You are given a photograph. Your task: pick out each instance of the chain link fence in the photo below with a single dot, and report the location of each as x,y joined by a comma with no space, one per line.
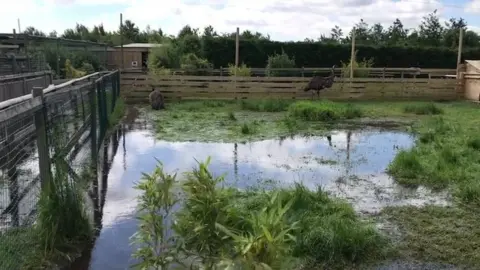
65,125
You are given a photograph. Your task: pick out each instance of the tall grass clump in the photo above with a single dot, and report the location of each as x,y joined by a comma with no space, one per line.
62,225
324,111
218,227
241,71
266,105
156,246
423,109
364,64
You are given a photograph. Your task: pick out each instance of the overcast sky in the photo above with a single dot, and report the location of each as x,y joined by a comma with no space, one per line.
282,19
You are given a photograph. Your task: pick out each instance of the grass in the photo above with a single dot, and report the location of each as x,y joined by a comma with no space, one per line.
283,228
439,234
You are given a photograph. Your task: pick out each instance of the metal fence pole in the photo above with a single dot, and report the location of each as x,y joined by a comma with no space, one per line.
93,125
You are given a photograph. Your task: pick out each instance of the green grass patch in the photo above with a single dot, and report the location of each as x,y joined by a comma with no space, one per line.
439,234
16,247
423,109
324,111
267,105
283,228
117,114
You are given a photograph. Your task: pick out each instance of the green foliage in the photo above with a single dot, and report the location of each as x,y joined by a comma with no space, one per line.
191,63
357,73
166,55
249,229
155,248
87,68
241,71
78,58
266,105
423,109
279,61
324,111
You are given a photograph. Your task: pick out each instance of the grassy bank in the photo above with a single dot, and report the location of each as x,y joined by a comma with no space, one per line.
446,156
280,228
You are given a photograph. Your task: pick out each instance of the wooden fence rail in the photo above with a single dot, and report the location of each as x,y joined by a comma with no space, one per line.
12,86
136,87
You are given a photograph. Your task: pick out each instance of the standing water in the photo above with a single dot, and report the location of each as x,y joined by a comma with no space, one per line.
347,164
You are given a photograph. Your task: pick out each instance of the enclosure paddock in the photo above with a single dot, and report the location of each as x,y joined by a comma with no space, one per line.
381,84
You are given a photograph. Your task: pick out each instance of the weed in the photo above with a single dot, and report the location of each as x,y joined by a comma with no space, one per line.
423,109
118,113
248,128
474,143
231,116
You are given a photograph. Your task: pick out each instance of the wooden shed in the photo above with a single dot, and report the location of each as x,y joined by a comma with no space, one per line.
135,55
471,79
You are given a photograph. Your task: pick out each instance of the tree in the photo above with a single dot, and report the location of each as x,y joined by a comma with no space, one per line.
431,31
130,31
396,34
32,31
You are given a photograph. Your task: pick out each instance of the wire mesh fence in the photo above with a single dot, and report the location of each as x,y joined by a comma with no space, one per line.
65,125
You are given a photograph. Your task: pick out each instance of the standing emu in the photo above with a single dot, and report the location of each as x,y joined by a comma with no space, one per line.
156,99
318,83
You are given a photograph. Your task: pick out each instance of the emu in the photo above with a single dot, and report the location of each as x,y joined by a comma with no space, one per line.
318,83
156,99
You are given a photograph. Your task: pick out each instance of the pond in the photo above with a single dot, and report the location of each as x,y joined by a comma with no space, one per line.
348,164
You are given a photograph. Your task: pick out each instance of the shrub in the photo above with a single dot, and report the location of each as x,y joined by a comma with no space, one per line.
71,72
365,63
241,71
279,61
87,68
166,55
191,63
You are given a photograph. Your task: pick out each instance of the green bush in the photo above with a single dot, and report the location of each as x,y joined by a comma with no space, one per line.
190,63
87,68
241,71
423,109
365,63
165,56
279,61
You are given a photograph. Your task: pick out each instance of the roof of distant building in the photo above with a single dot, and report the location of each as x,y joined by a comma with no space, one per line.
140,45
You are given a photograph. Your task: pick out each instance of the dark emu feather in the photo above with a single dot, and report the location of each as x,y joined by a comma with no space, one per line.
156,99
318,83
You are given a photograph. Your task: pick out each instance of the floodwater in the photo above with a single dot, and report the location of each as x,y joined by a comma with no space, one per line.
347,164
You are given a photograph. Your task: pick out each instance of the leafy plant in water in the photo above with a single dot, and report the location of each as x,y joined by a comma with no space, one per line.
203,207
270,236
156,249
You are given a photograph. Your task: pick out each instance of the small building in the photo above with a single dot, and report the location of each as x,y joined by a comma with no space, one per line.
135,55
471,79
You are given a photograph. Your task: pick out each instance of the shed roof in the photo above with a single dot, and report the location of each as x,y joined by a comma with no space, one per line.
474,63
140,45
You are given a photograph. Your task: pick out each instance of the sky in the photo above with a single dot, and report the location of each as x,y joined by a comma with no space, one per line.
282,19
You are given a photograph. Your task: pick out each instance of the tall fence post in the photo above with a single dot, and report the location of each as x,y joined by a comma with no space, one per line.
104,106
99,107
113,85
42,143
93,126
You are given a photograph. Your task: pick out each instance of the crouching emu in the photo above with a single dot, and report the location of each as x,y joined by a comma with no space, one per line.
318,83
156,99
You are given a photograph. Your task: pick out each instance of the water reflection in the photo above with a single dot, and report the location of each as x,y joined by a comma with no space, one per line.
347,164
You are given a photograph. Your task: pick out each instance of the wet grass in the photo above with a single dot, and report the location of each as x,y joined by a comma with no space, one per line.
439,234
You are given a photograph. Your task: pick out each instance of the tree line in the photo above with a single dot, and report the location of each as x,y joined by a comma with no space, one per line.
432,44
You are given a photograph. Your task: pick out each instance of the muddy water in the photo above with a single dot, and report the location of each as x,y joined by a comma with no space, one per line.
350,165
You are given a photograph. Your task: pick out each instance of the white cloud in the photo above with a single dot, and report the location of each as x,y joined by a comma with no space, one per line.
473,6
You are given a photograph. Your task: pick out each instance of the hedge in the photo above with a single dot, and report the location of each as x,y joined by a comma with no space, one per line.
254,53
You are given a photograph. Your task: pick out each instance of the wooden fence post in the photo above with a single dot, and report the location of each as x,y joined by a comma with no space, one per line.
93,126
42,143
113,85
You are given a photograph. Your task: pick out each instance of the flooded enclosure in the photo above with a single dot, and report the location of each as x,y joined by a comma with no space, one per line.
347,164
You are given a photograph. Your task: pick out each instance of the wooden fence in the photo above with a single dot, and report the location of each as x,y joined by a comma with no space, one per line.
12,86
417,85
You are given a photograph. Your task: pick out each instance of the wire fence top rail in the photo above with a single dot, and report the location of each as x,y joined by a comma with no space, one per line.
51,88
